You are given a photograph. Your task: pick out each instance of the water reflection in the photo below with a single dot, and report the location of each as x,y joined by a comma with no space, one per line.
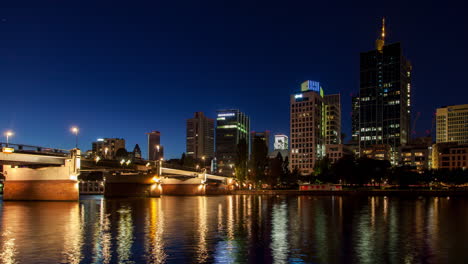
279,234
155,243
235,229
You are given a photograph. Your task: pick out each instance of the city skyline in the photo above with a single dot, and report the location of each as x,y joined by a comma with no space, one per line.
72,81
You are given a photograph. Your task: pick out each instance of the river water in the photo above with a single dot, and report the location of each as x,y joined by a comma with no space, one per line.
236,229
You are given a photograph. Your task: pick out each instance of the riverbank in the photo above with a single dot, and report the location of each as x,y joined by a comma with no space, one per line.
408,193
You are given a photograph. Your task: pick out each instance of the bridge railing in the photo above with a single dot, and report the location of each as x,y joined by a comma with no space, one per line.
29,149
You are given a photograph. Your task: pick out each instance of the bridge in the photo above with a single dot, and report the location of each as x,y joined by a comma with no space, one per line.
38,173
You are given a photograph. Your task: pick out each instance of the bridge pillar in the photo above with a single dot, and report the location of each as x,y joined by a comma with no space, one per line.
46,183
131,185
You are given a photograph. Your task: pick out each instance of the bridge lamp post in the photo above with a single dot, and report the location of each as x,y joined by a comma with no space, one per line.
160,166
156,148
204,164
8,134
75,130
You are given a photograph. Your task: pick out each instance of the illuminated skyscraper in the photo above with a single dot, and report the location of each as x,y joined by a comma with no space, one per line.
333,119
232,126
307,127
200,136
384,100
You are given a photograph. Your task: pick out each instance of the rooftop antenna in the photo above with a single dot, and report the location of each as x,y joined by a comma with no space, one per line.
380,42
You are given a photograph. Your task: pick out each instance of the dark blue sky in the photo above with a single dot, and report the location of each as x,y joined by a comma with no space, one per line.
120,69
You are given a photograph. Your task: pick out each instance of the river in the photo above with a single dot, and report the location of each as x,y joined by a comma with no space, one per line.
236,229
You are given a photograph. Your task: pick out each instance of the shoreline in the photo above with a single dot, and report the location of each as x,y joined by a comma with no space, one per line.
401,193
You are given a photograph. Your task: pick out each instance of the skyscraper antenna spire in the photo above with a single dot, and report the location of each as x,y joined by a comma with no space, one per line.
383,29
380,42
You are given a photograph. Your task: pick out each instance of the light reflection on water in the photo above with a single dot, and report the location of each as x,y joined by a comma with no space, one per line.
235,229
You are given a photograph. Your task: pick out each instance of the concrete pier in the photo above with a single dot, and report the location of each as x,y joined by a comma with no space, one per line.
47,183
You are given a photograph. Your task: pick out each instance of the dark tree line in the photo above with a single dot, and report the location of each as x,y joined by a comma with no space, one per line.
364,171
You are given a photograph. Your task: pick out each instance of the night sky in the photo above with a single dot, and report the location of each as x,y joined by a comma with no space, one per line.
121,69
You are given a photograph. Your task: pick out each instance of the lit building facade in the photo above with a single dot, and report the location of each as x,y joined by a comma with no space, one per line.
106,148
384,100
452,124
307,127
281,142
231,127
200,137
449,156
417,154
155,150
333,118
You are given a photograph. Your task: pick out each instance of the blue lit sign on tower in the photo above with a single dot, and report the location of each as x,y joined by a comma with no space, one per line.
310,86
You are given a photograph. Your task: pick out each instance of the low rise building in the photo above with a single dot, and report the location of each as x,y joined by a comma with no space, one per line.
108,147
449,156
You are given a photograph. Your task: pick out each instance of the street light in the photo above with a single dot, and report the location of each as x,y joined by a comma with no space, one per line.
156,148
204,164
8,134
75,130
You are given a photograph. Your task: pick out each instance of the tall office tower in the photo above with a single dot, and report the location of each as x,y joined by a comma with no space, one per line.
281,142
385,91
200,136
307,127
333,119
263,136
106,148
155,150
452,123
355,119
231,127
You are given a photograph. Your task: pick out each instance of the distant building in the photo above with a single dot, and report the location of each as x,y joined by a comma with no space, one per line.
281,142
263,136
384,99
452,124
155,150
281,145
417,154
136,152
232,126
108,147
355,120
333,119
378,152
335,152
307,127
450,155
200,137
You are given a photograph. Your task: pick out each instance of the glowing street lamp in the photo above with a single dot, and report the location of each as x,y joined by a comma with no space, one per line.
97,159
8,134
75,131
204,164
122,162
